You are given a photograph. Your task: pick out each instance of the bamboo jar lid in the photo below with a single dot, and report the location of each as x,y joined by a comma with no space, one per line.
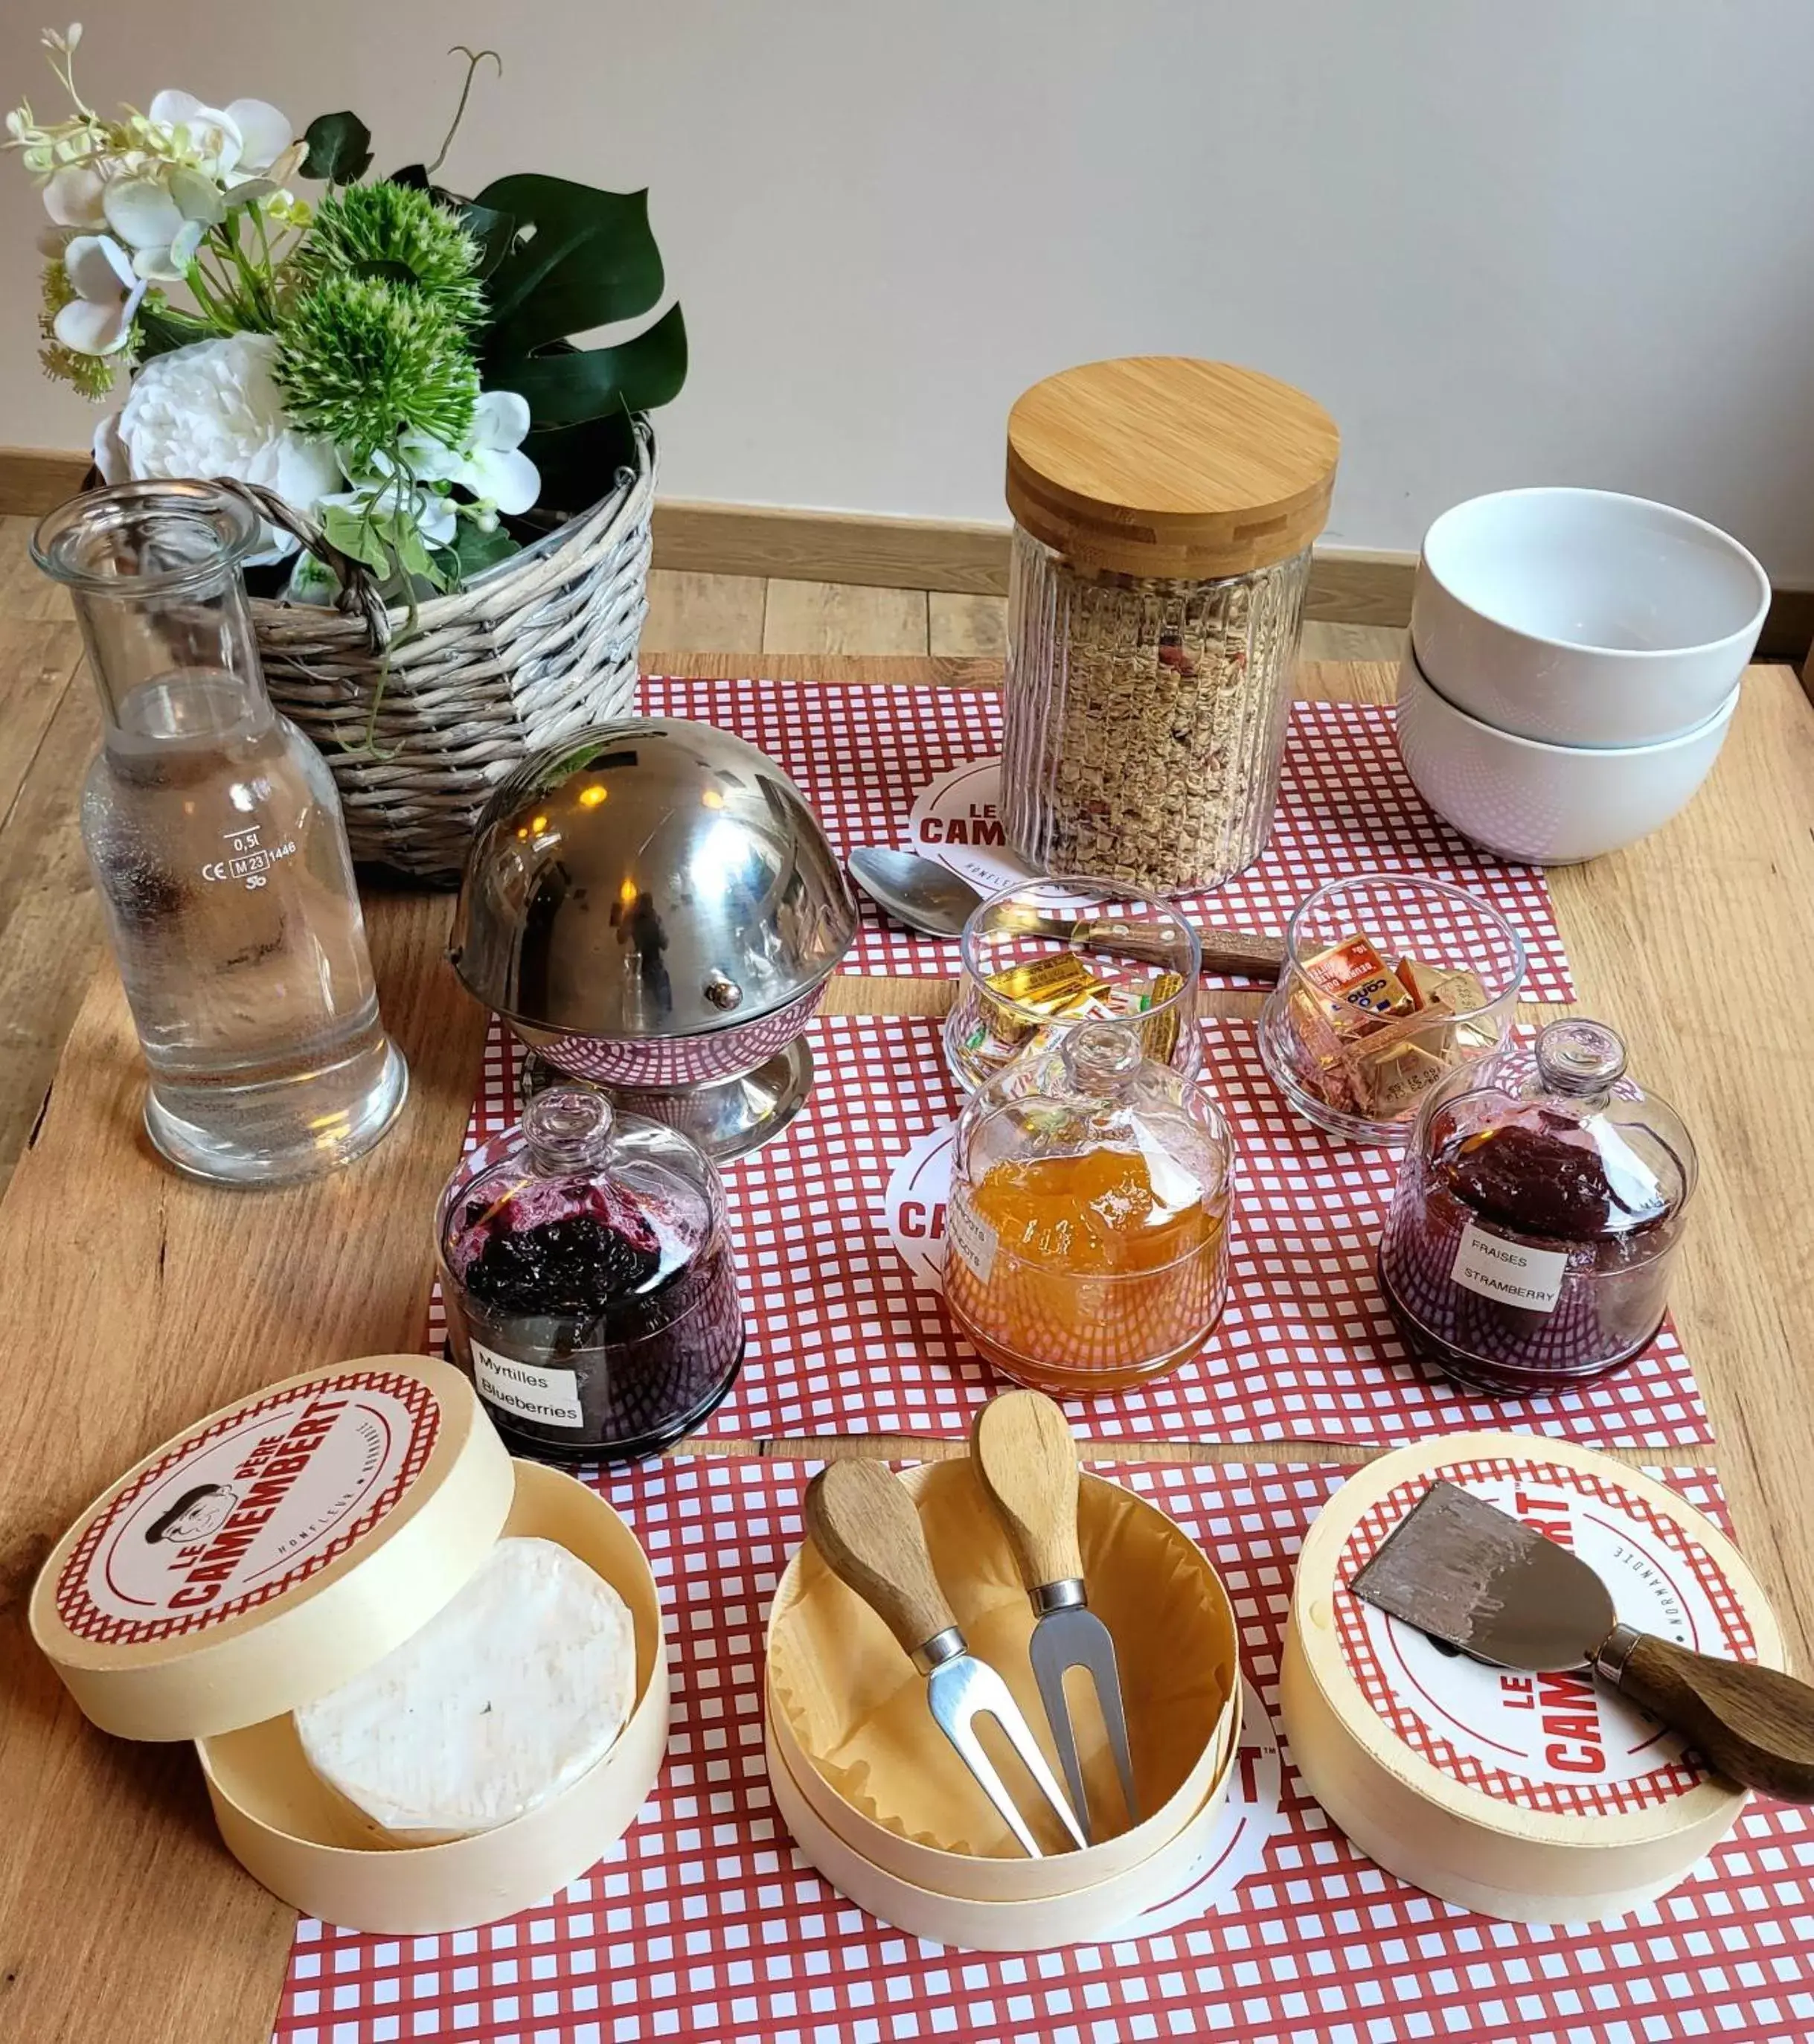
1161,465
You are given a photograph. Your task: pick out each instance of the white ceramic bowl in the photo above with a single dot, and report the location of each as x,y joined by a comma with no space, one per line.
1581,617
1550,804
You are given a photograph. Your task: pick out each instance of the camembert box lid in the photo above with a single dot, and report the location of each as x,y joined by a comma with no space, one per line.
274,1549
1545,1797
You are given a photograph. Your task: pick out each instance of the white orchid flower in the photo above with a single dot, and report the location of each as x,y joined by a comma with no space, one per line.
495,468
206,136
98,320
144,213
234,143
73,197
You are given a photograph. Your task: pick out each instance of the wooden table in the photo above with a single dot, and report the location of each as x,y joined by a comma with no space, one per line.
136,1301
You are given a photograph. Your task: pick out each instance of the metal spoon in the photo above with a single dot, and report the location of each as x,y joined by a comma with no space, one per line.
930,898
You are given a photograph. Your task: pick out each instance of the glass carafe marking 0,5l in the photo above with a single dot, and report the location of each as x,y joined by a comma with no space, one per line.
214,832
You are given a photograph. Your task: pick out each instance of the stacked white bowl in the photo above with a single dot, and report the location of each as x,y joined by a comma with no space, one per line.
1574,664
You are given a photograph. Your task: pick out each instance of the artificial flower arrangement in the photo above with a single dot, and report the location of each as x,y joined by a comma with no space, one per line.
391,360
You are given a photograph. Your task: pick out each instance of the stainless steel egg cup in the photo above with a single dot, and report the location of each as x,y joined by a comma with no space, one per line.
653,909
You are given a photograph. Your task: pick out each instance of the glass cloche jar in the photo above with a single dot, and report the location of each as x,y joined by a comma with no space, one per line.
1087,1231
1535,1228
590,1287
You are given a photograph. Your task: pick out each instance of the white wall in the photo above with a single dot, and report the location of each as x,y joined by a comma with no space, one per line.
1503,240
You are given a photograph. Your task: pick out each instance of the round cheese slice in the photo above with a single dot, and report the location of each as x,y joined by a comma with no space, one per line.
505,1698
1538,1798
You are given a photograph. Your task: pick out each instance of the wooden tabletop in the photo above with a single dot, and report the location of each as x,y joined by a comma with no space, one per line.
136,1301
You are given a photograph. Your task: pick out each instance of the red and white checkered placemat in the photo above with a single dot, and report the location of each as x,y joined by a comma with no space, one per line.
842,1337
703,1922
861,751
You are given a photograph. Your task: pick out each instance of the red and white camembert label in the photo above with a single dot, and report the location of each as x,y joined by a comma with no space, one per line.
1558,1743
262,1499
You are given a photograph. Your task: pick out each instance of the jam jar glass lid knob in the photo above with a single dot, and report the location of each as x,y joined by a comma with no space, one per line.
1583,1059
1102,1058
567,1129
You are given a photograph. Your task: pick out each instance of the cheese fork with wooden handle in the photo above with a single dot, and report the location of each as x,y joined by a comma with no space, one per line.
1025,1456
866,1528
1466,1573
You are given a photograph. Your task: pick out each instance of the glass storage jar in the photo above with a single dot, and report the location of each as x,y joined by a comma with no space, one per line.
1087,1230
1163,512
1538,1215
590,1288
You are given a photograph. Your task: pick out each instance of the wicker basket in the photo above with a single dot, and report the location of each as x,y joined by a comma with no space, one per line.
532,651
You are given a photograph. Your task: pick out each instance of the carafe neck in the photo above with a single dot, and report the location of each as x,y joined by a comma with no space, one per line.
153,573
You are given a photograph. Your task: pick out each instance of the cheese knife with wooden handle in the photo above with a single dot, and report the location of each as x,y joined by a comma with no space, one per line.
1467,1573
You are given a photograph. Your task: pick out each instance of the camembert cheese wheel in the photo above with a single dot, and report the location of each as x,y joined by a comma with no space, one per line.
1541,1798
506,1697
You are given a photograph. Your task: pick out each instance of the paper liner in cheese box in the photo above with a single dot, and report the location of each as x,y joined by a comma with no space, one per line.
1542,1798
286,1543
882,1804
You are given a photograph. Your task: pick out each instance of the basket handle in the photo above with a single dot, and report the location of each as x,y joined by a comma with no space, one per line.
358,595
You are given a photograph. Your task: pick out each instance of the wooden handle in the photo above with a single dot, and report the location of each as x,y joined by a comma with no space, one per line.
1027,1461
1749,1723
1243,951
863,1522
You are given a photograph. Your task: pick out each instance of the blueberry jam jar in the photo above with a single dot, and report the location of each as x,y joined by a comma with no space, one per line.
1537,1216
590,1287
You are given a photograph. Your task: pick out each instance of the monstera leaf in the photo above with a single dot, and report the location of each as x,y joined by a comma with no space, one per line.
580,258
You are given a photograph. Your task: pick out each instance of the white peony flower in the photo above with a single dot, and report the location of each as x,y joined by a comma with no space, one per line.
214,409
495,470
99,320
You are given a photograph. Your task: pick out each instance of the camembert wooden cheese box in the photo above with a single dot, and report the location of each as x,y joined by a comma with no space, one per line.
1538,1798
285,1544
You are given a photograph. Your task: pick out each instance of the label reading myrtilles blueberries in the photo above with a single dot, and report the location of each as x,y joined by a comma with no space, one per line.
549,1396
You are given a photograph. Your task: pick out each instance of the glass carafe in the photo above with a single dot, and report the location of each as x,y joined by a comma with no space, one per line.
215,836
590,1287
1087,1232
1538,1215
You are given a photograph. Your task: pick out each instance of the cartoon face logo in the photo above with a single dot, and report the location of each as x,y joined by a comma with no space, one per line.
195,1515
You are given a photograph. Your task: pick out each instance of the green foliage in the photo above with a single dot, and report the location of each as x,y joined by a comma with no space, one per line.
364,362
161,328
339,147
581,259
392,232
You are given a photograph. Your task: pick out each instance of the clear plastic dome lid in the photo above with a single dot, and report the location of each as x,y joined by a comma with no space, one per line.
1551,1139
1096,1089
577,1209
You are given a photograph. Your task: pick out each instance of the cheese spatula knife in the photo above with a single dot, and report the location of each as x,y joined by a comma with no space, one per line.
865,1526
1466,1573
1023,1453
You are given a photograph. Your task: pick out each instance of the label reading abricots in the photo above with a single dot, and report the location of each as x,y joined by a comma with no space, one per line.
972,1238
551,1398
234,1516
1508,1271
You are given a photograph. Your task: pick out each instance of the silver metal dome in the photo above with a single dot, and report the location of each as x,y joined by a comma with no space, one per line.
652,905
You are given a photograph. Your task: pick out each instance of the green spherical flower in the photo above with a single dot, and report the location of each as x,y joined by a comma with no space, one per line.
399,233
362,361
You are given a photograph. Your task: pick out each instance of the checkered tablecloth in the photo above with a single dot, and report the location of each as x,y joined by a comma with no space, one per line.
861,751
843,1339
704,1923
